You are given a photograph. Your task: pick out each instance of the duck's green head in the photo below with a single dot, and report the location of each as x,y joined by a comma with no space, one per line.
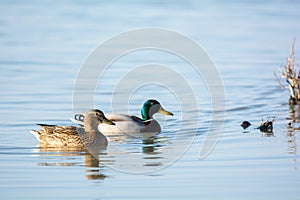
151,107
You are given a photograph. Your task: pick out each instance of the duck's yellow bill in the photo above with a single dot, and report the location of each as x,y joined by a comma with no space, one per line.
165,112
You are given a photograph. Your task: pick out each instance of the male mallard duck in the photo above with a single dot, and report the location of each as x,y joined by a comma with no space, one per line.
70,136
131,124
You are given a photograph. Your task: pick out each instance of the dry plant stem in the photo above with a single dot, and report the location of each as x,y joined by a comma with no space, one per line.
291,73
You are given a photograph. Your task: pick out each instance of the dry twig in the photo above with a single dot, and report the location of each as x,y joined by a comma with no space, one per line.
291,73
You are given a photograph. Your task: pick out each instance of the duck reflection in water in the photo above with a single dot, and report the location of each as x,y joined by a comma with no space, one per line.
53,156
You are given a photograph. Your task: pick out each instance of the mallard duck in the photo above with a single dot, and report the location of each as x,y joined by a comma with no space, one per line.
71,136
131,124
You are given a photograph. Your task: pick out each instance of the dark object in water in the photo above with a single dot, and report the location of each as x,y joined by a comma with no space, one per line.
291,127
266,126
245,124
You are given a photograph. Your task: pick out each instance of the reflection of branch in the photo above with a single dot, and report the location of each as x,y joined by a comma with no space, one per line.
291,136
292,144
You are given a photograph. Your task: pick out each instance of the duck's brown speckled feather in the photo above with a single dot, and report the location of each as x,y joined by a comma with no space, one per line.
60,135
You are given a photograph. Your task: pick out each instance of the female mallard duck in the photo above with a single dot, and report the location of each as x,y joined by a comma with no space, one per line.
131,124
70,136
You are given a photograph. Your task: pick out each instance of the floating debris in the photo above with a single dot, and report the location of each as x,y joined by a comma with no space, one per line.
266,126
245,124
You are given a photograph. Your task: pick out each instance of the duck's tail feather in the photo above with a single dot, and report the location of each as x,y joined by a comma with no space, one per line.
35,133
78,119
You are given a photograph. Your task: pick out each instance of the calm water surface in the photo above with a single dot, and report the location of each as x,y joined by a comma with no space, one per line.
43,45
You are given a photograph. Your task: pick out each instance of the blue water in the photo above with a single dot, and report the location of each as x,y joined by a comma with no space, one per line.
43,45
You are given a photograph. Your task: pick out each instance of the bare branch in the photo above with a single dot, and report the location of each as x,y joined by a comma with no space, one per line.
291,73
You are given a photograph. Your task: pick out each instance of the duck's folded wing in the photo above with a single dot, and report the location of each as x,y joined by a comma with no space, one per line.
59,130
68,130
140,121
127,118
47,128
60,135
